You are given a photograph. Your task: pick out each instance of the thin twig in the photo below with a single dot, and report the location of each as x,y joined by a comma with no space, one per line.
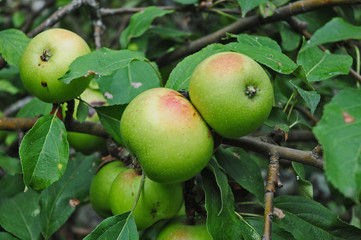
98,26
256,145
270,189
248,23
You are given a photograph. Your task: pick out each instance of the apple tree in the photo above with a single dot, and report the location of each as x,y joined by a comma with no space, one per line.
242,119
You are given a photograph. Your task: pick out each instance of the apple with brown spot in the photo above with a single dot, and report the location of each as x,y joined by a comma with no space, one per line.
232,92
46,58
167,135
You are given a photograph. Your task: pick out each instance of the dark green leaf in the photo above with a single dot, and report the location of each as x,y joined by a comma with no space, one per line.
290,39
119,227
312,98
59,200
186,1
7,236
307,219
333,31
82,111
44,152
34,108
304,187
319,65
9,164
247,5
20,215
166,32
277,232
127,82
339,132
10,186
267,56
257,41
140,22
239,166
179,77
222,222
277,118
12,45
248,231
100,63
7,86
110,118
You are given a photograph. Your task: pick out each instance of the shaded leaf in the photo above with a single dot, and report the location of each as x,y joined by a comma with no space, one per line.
10,165
12,45
277,232
7,236
119,227
20,215
6,86
82,111
222,222
257,41
10,186
290,39
127,82
277,118
339,132
239,166
247,5
248,231
44,152
179,77
307,219
110,118
35,108
335,30
312,98
140,22
74,185
304,187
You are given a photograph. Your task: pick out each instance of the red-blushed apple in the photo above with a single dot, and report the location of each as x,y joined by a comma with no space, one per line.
232,92
87,143
46,58
178,229
165,132
100,187
157,201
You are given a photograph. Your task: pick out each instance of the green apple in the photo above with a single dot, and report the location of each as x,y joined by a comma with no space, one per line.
167,135
178,229
232,92
46,58
87,143
100,187
157,201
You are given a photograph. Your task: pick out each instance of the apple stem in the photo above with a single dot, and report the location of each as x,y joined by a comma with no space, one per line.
139,191
46,55
251,91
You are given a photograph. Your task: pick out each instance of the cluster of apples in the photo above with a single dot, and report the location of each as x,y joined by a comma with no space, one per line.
170,135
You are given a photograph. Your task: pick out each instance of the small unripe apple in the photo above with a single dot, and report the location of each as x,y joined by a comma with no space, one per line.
46,58
232,92
83,142
178,229
157,201
100,187
167,135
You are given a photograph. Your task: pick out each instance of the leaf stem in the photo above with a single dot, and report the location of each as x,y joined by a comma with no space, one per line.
288,102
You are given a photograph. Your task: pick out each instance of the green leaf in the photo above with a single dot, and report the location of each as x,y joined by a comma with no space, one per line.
110,118
248,231
7,236
179,77
140,22
82,111
10,186
312,98
119,227
35,108
333,31
222,222
319,65
339,132
267,56
290,39
304,187
20,215
185,2
247,5
257,41
9,164
73,186
127,82
12,45
307,219
166,32
44,152
7,86
277,232
100,63
277,118
239,166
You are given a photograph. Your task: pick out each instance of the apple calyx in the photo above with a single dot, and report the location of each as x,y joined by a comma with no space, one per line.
251,91
46,55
